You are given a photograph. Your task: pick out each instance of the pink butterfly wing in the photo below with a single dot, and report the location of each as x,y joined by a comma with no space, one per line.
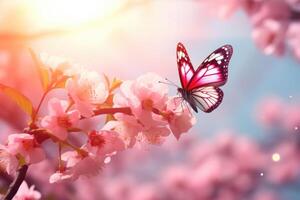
213,71
185,67
207,98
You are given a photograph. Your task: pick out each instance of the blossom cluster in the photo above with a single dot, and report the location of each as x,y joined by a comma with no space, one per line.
135,111
276,113
222,167
282,120
275,23
226,166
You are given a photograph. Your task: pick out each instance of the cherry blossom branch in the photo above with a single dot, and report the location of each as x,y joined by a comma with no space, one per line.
13,188
46,133
39,106
125,110
63,118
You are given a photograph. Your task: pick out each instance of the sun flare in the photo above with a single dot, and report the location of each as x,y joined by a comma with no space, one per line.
70,12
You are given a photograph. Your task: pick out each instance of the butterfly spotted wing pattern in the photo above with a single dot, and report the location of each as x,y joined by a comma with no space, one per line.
202,87
185,68
214,69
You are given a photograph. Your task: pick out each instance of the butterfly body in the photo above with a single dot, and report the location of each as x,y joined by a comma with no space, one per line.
200,87
187,97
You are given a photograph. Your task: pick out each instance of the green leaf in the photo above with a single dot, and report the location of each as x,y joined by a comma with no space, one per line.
23,102
42,70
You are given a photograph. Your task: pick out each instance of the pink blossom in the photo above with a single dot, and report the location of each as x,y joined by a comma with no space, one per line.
146,97
291,119
154,135
198,153
120,188
91,188
287,168
8,160
47,168
143,96
176,183
59,121
127,131
146,192
225,8
60,177
88,165
101,145
246,148
293,38
26,193
143,135
104,142
25,145
251,6
273,112
266,195
88,89
77,165
218,169
276,10
180,120
270,36
209,173
270,19
269,111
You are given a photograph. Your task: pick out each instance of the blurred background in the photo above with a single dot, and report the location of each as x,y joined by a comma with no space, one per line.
249,148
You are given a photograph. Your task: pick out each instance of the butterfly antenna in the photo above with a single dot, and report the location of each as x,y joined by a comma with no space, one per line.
168,82
165,83
171,82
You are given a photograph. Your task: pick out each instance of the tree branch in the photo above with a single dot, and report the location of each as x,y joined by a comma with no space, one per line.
125,110
15,185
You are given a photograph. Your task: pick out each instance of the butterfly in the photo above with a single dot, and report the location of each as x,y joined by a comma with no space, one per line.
200,88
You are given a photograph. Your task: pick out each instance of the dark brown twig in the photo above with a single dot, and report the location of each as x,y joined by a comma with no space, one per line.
125,110
14,186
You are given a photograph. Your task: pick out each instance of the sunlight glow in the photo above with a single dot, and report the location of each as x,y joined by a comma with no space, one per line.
69,12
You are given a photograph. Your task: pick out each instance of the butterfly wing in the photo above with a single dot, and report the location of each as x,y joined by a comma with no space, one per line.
213,71
185,67
206,98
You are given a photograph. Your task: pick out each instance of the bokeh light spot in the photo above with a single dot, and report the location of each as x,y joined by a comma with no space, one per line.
276,157
107,160
261,174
